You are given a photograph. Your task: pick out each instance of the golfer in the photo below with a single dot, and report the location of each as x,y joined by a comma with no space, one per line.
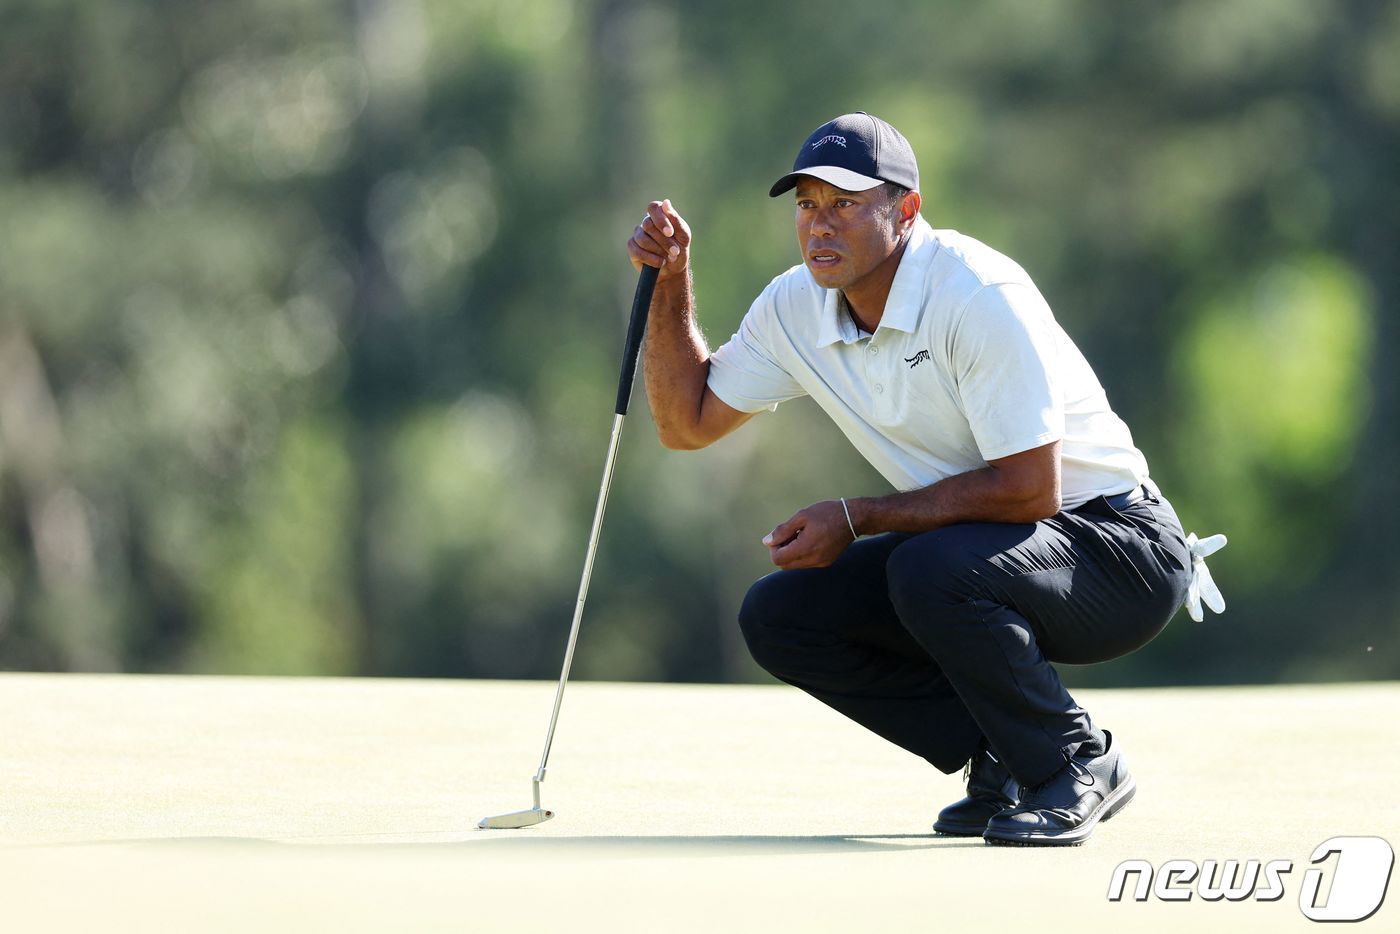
1025,529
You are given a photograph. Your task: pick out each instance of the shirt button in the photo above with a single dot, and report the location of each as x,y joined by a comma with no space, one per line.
879,389
874,349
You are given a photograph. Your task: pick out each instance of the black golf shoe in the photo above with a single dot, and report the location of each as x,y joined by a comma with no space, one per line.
990,789
1064,809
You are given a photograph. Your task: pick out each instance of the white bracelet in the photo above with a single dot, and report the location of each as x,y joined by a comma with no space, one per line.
847,511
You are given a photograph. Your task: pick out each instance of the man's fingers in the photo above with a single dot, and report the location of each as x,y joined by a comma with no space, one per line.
669,224
665,243
792,555
656,212
806,540
679,229
647,237
661,240
785,533
800,554
641,256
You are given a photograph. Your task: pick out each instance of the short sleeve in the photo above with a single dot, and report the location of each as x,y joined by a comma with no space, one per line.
1005,362
745,373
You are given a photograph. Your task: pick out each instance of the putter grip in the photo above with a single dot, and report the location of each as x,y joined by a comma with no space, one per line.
641,304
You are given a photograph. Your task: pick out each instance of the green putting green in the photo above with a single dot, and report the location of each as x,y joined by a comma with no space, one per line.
238,804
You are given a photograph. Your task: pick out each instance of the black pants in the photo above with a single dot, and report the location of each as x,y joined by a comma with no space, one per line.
940,640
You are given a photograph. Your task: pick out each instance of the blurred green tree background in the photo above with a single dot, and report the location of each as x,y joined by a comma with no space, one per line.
311,310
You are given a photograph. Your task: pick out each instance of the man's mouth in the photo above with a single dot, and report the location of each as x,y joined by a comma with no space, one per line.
822,258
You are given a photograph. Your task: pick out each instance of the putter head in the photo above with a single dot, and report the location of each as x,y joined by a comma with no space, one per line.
515,819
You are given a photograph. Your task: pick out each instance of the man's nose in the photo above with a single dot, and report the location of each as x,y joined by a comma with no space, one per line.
821,224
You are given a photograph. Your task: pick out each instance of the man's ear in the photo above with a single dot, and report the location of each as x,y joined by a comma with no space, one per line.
909,207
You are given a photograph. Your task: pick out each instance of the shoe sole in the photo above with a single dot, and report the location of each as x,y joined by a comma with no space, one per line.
1075,836
945,829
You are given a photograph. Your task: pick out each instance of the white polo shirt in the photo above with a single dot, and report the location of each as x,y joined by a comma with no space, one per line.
967,365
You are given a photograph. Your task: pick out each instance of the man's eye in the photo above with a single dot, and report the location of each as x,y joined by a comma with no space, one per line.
844,203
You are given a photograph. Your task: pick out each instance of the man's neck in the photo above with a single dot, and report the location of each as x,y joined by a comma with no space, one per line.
866,299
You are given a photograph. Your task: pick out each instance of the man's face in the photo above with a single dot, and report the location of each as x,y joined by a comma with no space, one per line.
843,234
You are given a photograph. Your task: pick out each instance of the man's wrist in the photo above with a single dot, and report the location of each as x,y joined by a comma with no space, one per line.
674,279
862,519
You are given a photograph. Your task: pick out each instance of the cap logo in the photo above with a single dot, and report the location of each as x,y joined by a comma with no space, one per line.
838,140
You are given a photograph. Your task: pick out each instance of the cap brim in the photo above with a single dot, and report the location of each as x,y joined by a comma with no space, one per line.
844,179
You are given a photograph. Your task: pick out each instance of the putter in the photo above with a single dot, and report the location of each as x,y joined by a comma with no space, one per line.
641,303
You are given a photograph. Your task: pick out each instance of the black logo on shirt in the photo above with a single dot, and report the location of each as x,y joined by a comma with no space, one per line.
918,358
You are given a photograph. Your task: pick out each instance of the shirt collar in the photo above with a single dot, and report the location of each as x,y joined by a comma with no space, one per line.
904,305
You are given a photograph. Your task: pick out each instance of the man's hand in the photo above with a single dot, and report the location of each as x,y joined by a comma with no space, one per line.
662,240
813,538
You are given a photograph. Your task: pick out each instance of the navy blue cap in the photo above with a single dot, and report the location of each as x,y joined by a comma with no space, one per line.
854,152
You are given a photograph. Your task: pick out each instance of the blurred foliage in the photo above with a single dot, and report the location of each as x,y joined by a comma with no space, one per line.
310,311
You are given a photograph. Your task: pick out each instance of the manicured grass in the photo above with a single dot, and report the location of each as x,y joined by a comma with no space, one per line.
245,804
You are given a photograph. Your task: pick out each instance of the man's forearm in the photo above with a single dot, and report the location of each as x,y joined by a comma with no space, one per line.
677,361
988,494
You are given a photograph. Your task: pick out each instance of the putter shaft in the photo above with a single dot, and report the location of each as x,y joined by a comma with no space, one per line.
537,813
636,329
582,596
